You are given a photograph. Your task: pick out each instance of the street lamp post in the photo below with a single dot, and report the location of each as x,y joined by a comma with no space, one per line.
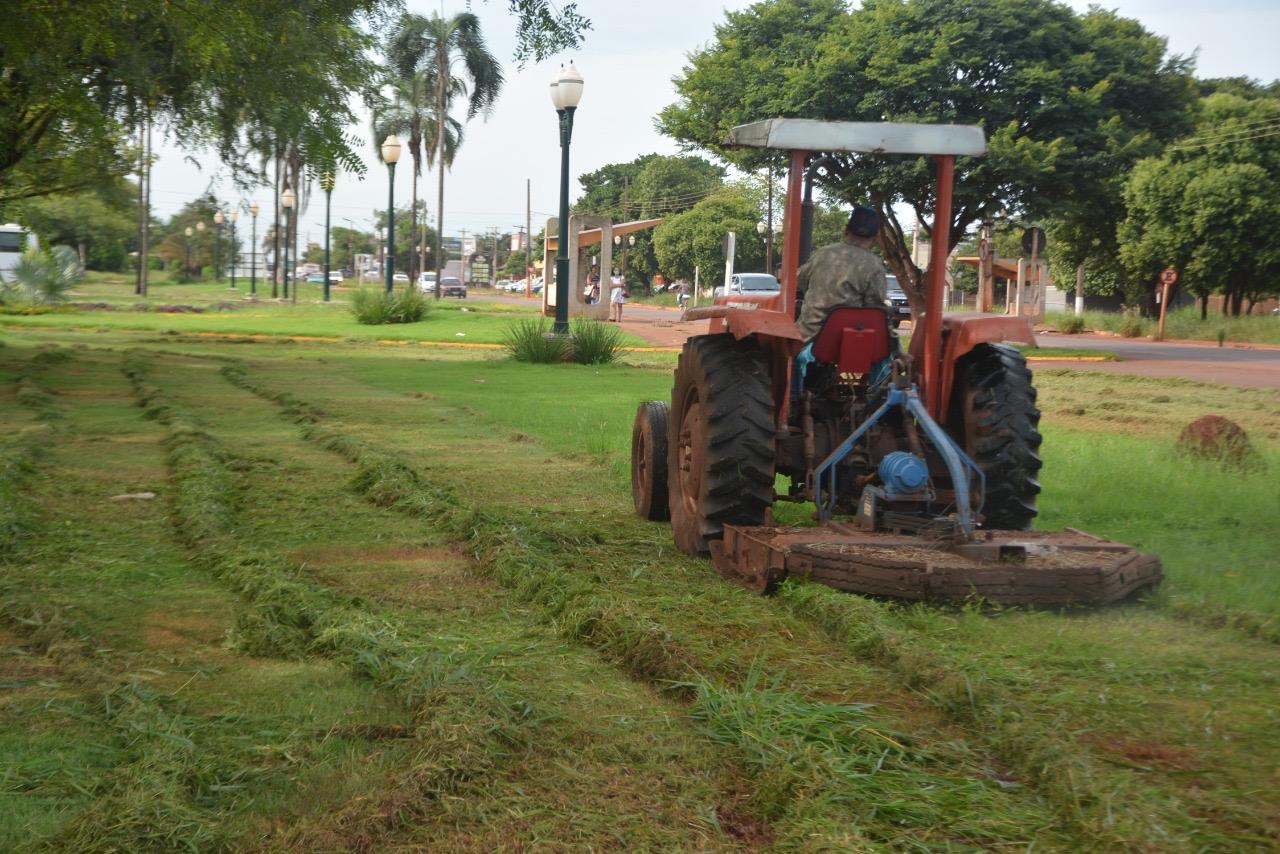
326,182
188,232
235,247
566,92
253,251
199,269
390,156
218,220
287,200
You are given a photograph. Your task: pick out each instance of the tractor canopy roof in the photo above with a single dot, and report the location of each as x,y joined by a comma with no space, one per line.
862,137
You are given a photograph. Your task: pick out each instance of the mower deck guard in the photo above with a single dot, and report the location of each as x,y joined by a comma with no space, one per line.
1002,567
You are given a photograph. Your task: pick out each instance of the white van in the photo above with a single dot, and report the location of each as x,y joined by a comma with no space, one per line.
427,282
14,240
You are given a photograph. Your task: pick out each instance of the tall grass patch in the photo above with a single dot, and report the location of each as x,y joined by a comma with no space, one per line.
1212,528
532,341
596,343
373,307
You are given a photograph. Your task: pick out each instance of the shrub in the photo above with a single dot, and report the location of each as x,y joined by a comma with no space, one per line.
373,307
1132,326
596,343
1071,324
46,278
532,341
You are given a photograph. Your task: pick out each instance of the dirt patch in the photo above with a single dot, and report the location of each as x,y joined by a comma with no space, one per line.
744,828
1150,754
1219,439
165,630
336,555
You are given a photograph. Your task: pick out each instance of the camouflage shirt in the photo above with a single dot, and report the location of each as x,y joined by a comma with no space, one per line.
842,274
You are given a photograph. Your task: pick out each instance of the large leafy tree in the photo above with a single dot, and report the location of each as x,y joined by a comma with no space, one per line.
1067,100
99,225
652,185
452,55
1208,205
694,238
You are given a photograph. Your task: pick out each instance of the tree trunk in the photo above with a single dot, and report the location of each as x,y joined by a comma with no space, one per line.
413,222
442,73
1204,306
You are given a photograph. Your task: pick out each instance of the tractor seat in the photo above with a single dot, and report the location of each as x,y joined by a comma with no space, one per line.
853,339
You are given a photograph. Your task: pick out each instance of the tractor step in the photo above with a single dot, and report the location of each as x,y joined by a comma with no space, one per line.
1003,567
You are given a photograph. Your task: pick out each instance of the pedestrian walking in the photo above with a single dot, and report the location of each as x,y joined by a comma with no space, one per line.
617,296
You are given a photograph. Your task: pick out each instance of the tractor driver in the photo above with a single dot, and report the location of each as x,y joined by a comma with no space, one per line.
845,274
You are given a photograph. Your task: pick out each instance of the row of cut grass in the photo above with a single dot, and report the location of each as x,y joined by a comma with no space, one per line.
1021,735
463,767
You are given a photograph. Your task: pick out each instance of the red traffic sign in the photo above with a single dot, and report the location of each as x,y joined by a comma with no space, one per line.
1169,276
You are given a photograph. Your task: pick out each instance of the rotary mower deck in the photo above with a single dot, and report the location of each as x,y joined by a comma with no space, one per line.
1002,567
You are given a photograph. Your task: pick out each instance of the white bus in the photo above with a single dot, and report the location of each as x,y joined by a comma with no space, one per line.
14,240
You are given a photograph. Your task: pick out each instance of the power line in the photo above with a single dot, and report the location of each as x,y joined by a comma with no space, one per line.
1210,144
1238,128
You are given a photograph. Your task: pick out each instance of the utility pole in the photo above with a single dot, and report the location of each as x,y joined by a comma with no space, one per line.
493,264
768,233
528,231
462,257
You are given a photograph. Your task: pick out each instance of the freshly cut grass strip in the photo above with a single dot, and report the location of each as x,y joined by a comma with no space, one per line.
290,615
544,566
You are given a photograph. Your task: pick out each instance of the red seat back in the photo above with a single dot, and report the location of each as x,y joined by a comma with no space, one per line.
853,339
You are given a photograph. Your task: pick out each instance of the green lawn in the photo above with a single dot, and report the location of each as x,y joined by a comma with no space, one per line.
395,598
225,312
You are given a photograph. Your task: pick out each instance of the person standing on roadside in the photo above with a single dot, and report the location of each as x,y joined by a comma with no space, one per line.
617,296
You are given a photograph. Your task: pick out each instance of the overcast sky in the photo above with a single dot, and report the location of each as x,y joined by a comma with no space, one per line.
629,58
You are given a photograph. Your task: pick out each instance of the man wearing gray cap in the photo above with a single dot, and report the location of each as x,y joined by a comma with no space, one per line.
843,274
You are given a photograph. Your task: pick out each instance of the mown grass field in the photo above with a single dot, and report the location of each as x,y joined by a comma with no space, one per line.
392,598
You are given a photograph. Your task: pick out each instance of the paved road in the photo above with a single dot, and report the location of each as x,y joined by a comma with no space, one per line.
1257,368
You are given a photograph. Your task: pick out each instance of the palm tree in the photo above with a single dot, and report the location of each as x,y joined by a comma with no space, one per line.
451,55
409,114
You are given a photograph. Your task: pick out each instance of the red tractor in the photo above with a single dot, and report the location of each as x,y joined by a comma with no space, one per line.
931,453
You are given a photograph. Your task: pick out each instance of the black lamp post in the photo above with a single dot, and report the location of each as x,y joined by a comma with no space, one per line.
566,92
390,156
235,247
199,231
218,220
188,232
253,251
287,200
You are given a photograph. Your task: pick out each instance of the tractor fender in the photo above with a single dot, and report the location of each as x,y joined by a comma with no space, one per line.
962,332
774,331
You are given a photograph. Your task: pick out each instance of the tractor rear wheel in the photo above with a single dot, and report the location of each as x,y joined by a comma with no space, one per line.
993,413
721,440
649,461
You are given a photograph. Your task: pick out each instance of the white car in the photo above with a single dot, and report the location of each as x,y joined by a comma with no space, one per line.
754,284
427,283
335,277
400,277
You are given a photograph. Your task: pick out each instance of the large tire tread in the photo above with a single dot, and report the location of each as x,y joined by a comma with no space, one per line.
994,410
733,386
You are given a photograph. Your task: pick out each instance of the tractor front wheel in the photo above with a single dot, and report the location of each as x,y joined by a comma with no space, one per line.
993,414
720,444
649,461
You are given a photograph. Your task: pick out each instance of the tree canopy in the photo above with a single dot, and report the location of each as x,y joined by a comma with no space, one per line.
693,238
1208,205
1068,100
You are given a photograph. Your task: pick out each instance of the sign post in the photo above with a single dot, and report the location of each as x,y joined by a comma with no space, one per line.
1168,278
